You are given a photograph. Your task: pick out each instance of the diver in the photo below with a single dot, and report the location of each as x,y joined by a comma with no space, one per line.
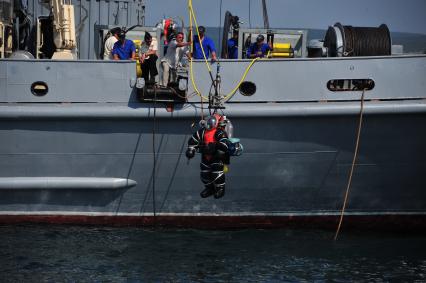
212,142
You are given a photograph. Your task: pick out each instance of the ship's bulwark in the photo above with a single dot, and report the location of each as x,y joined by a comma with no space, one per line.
294,169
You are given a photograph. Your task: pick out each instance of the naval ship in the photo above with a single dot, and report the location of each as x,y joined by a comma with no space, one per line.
330,128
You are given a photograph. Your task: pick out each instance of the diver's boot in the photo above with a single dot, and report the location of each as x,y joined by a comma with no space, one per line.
219,191
208,191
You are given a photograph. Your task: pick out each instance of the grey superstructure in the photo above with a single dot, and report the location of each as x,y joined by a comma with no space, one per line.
84,151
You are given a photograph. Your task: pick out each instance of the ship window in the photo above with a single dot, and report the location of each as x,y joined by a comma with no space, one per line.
247,88
39,88
350,84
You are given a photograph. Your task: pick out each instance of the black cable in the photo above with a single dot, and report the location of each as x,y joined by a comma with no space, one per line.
177,94
210,98
154,156
359,41
364,41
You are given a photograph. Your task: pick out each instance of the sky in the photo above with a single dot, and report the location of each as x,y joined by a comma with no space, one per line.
399,15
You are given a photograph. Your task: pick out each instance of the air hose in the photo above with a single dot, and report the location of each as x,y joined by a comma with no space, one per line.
193,20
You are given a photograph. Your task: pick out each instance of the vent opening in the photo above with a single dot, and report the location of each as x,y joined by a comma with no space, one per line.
350,84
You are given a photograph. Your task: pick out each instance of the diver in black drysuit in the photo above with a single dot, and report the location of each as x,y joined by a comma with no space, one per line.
211,142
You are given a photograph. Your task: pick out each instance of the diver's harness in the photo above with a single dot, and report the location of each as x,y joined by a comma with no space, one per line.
216,102
207,146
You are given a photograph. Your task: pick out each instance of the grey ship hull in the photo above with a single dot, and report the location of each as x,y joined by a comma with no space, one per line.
84,153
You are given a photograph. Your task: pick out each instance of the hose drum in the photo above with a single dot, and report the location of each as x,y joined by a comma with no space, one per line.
346,41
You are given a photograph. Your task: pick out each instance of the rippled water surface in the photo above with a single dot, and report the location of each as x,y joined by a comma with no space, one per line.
87,254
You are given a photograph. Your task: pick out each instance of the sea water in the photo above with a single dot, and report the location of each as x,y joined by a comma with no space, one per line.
45,253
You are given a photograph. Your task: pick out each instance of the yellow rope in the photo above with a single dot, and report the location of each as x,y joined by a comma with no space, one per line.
361,112
192,18
194,85
226,97
191,12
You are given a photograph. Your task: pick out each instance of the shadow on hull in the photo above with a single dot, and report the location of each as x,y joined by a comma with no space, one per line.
65,198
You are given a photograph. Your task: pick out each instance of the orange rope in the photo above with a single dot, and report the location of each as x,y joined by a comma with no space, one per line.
353,165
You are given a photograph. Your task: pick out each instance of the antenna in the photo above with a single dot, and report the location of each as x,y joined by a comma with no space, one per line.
220,22
265,15
249,13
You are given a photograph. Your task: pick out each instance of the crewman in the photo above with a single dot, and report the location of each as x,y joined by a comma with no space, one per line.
259,48
212,142
206,42
233,46
109,43
148,57
124,49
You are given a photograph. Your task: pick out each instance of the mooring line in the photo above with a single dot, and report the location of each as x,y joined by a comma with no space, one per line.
342,212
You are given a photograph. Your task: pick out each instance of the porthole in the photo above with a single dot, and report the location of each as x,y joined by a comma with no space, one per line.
247,88
39,88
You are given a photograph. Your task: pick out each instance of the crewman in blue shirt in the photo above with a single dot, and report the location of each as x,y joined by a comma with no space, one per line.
233,46
124,49
208,45
259,48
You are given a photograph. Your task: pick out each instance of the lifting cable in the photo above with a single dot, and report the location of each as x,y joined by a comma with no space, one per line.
348,186
193,20
154,156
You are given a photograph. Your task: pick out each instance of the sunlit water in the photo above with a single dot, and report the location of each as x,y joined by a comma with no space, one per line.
93,254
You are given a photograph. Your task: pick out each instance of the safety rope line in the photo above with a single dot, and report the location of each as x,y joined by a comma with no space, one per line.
194,85
192,51
199,39
192,13
348,186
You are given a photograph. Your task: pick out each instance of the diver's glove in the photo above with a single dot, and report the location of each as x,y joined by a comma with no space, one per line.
190,153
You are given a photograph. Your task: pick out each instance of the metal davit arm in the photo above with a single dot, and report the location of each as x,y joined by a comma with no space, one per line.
64,29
